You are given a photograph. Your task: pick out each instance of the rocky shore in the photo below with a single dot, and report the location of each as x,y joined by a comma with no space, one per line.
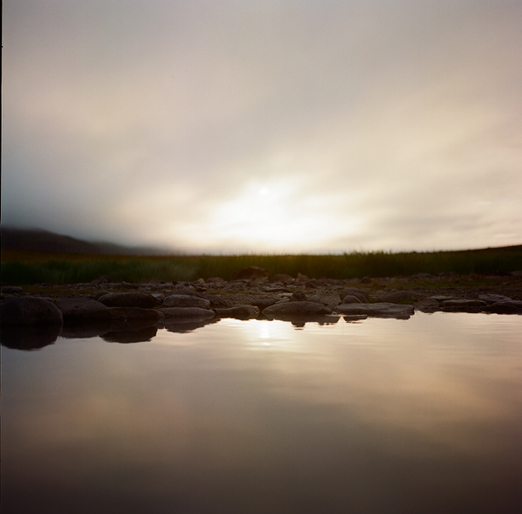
33,316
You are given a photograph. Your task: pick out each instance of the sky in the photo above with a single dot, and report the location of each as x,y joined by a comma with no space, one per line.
286,126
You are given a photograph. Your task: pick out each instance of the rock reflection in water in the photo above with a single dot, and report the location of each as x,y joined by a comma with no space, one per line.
378,416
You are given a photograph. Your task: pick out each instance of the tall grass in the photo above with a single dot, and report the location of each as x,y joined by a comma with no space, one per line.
39,267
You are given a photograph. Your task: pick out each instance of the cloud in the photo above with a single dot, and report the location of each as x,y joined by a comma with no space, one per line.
150,122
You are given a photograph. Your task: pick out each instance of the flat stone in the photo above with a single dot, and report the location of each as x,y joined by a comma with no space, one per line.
239,312
505,307
187,313
82,309
182,300
463,305
143,300
492,298
28,310
380,309
289,310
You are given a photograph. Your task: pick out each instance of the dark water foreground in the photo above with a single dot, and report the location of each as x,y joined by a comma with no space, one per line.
374,416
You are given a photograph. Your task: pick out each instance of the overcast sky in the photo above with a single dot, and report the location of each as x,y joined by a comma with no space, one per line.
265,125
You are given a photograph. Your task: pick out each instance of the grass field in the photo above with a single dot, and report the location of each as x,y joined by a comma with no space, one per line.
32,267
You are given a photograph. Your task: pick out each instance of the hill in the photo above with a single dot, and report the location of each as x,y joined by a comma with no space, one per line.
44,241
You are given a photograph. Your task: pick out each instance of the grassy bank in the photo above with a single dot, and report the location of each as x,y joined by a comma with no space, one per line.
30,267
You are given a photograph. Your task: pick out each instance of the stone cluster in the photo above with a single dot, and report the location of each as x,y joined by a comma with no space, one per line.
125,312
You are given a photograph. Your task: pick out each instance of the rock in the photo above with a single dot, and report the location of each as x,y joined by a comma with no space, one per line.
182,300
355,291
350,298
397,297
427,305
302,278
29,310
239,312
143,300
505,307
492,298
329,298
297,296
381,309
463,305
82,309
215,280
262,302
253,273
289,310
187,313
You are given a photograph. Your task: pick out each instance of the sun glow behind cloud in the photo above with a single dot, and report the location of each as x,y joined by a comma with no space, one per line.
265,126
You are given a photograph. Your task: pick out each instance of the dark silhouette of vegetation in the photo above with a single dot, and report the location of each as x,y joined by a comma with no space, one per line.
30,267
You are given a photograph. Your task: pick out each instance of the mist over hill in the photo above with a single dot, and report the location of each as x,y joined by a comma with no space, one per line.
46,241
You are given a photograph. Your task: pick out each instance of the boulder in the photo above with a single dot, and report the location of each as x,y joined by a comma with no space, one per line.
253,273
82,309
29,310
290,310
380,309
326,297
182,300
298,296
143,300
29,337
238,312
186,313
355,291
350,298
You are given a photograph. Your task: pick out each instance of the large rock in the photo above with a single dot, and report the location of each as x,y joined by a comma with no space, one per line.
328,298
143,300
238,312
253,273
350,298
380,309
186,314
82,309
290,310
183,300
28,310
355,291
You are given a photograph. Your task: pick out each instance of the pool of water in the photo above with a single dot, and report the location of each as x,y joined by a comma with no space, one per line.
369,416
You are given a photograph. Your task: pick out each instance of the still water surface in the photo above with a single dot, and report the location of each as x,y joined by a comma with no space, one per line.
376,416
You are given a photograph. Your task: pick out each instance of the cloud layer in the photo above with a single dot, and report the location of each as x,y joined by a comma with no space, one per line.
265,125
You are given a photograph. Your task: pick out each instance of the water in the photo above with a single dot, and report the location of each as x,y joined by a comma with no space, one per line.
375,416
